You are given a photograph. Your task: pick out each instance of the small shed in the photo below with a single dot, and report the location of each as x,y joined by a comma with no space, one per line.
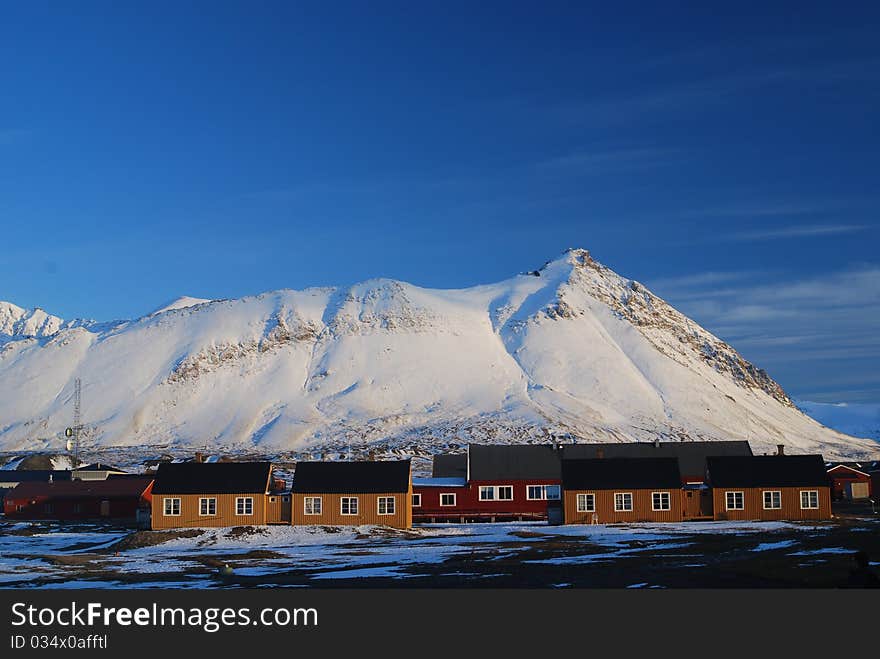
850,481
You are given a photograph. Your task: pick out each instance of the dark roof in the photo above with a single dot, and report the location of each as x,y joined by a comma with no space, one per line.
767,471
352,477
33,475
82,489
212,478
616,473
449,465
513,462
99,466
691,455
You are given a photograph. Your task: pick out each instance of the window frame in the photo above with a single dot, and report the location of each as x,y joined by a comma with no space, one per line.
357,506
808,492
207,500
742,499
661,494
307,501
416,495
624,496
496,492
392,500
585,509
244,500
764,494
543,495
165,506
448,505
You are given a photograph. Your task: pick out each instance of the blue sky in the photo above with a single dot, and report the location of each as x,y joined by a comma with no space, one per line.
725,158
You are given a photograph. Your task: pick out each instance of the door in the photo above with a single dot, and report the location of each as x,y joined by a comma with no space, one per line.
858,490
105,508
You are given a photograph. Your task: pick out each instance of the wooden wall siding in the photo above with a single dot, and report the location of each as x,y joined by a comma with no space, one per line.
368,507
278,511
605,507
753,499
468,504
189,511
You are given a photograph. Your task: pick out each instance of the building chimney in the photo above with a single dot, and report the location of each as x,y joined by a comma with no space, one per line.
780,449
600,453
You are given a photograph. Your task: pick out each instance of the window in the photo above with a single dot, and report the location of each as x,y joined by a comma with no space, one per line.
542,492
586,503
273,499
349,506
661,501
623,501
386,505
77,508
734,501
312,505
285,499
207,506
496,493
47,508
19,508
417,500
772,500
447,499
244,505
809,499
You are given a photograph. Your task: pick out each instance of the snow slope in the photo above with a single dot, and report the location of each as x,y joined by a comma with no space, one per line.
570,349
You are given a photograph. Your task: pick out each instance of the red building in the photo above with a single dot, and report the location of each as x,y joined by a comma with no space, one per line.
492,483
125,499
850,481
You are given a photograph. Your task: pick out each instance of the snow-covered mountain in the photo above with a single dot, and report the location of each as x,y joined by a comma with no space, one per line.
570,349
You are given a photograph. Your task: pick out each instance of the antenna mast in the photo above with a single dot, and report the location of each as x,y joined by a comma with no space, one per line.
72,433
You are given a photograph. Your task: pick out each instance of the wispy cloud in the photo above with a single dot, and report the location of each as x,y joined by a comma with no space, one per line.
795,231
807,331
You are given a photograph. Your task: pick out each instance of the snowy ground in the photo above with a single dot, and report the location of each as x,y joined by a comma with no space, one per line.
713,554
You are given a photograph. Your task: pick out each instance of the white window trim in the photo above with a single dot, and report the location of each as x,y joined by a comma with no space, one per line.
496,492
243,500
623,496
357,506
742,496
764,494
543,495
585,509
802,493
393,505
668,502
448,505
165,501
417,496
201,499
307,500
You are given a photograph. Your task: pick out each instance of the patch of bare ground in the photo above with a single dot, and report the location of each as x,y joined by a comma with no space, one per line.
140,539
